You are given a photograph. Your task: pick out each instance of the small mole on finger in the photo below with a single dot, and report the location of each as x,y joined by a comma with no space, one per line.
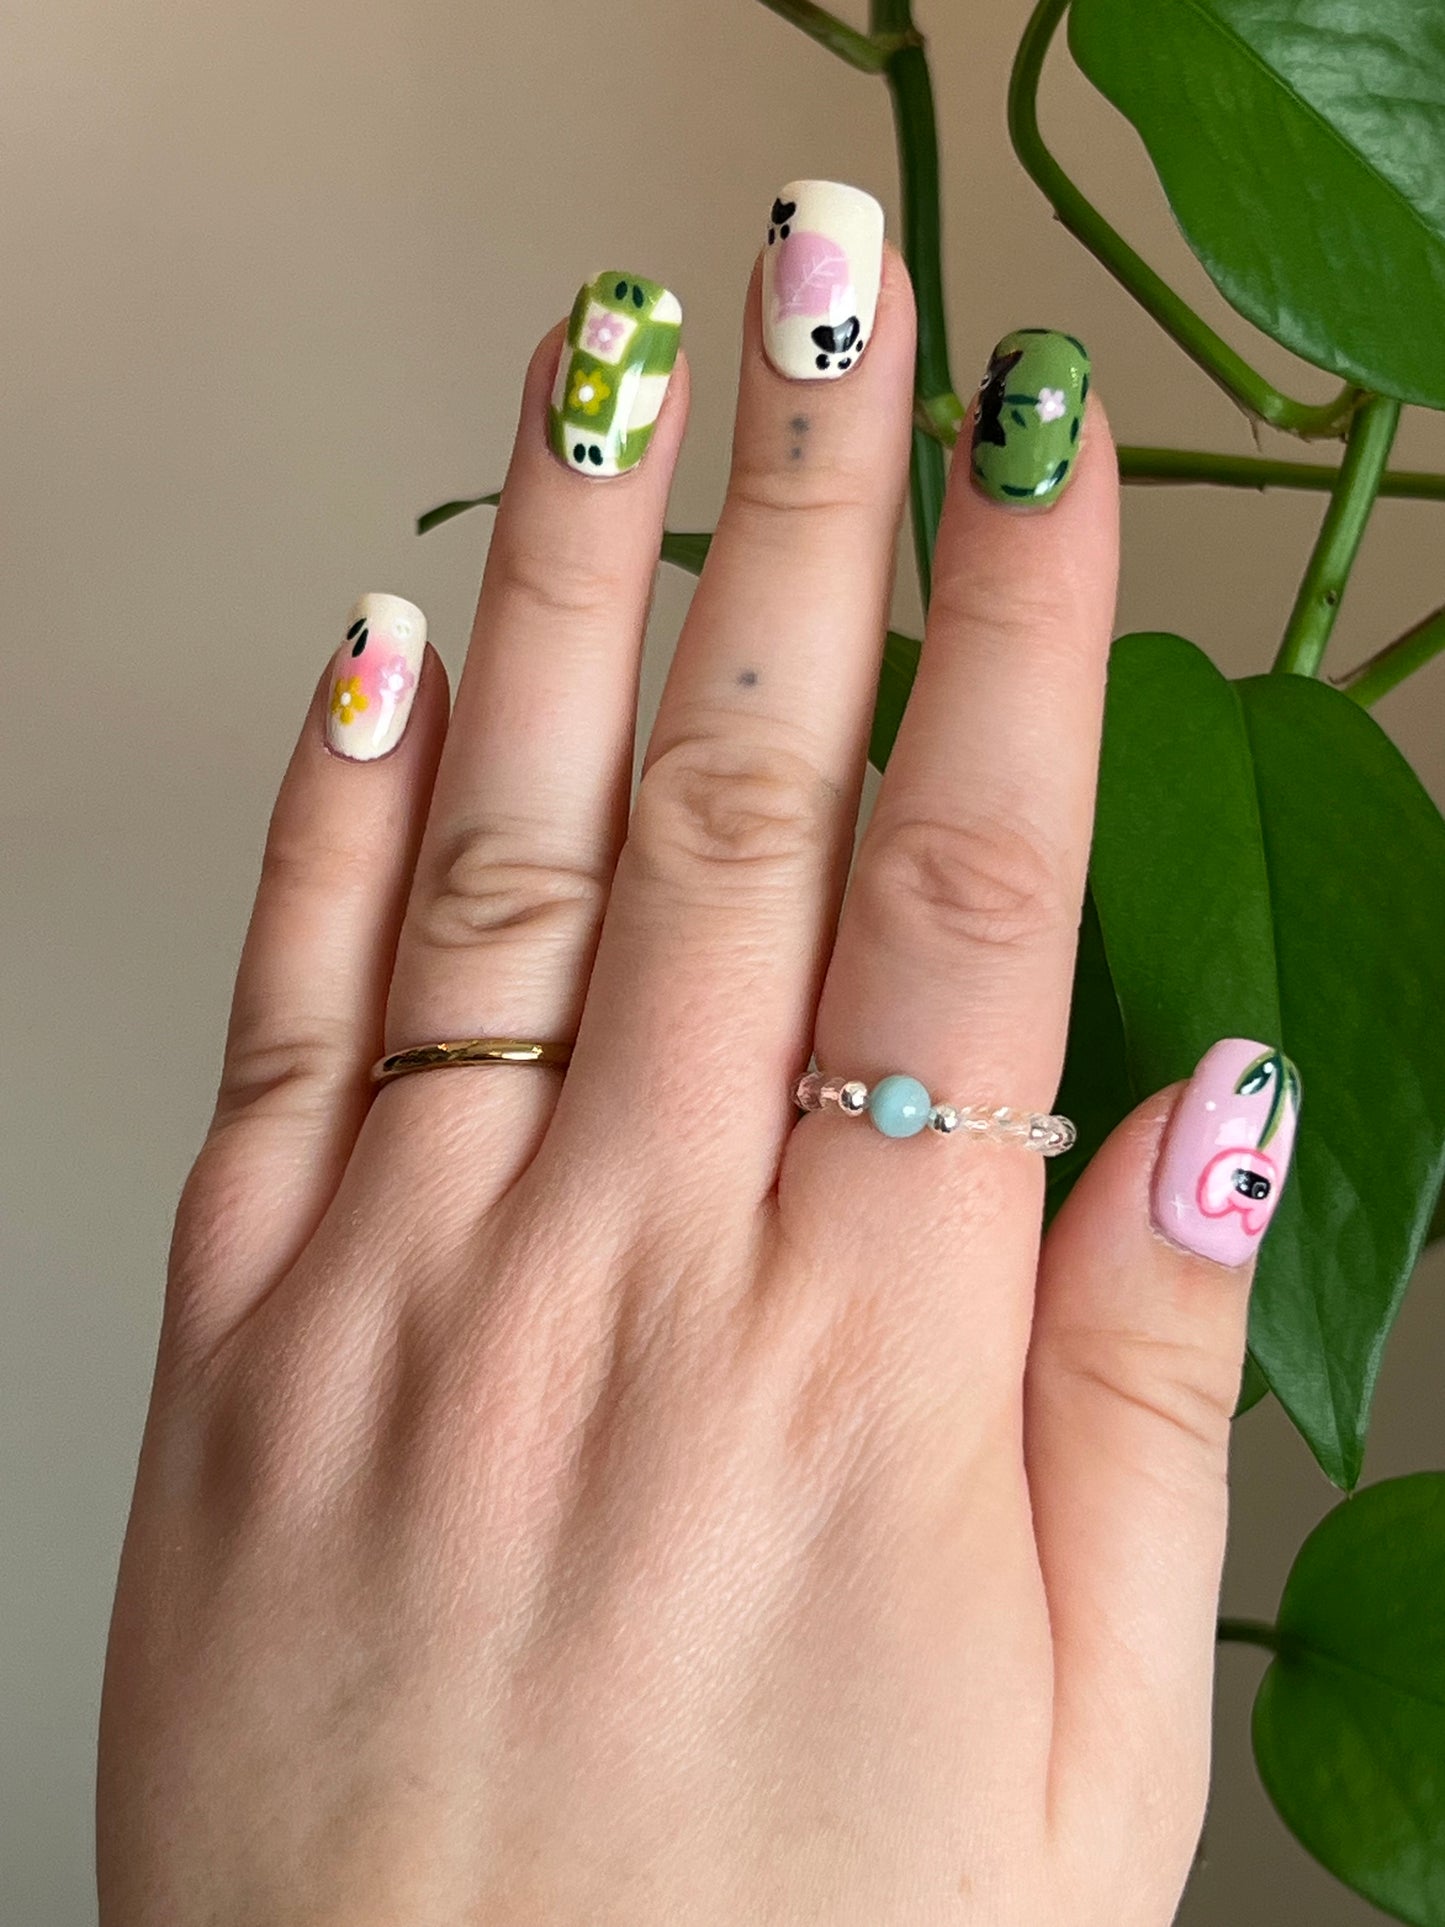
748,678
798,428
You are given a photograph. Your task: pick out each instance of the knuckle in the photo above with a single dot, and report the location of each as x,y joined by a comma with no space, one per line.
487,889
1012,611
297,1074
760,490
984,881
298,866
1186,1388
561,585
706,804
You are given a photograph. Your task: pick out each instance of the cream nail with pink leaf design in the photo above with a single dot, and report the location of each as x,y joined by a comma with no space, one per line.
373,680
821,270
1226,1151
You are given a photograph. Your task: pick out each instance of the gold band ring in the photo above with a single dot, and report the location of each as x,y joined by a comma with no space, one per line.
468,1050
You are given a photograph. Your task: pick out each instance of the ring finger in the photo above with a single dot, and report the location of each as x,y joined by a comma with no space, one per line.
955,949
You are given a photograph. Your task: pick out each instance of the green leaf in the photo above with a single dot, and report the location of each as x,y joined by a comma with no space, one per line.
687,549
444,511
1349,1724
1267,865
1302,148
895,685
1095,1090
1253,1386
1096,1093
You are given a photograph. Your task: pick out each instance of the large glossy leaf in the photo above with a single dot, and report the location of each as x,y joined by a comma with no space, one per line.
1349,1725
1302,148
1095,1091
1267,865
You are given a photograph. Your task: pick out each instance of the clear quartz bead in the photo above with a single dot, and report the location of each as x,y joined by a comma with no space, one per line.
808,1093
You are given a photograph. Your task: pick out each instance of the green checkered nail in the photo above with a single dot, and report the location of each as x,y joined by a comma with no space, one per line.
621,344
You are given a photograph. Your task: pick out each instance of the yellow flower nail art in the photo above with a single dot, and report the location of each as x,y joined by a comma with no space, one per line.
348,699
589,391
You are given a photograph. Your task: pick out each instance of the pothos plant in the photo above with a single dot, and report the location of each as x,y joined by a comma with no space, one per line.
1265,863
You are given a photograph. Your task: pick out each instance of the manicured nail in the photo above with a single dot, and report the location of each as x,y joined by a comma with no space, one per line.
1030,416
1226,1151
820,278
374,677
613,373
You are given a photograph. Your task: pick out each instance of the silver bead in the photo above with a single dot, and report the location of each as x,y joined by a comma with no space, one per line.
944,1119
853,1097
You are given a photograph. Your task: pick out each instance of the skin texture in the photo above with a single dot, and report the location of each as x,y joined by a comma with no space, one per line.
609,1498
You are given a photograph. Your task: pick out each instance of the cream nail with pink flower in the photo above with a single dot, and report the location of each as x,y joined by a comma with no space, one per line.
373,680
821,270
1226,1151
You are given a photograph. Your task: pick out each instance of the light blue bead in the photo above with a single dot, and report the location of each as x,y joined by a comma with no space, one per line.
899,1106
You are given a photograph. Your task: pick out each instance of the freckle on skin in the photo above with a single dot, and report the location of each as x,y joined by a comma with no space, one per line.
800,424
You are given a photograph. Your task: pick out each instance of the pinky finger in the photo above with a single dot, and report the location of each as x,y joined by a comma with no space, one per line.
1133,1374
310,997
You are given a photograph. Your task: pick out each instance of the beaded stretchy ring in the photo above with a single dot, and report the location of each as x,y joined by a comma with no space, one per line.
900,1106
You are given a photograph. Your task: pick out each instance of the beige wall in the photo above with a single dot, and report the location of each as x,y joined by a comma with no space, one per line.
272,272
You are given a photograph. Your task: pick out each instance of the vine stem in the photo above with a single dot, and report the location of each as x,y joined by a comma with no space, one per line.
1250,1632
1371,437
858,49
1389,667
1184,465
941,415
910,88
1079,215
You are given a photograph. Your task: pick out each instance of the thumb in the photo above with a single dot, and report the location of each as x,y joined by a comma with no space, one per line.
1133,1374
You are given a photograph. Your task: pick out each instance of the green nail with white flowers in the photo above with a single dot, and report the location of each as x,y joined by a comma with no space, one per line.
616,361
1030,417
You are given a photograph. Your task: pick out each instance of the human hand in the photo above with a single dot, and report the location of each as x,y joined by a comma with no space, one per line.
606,1497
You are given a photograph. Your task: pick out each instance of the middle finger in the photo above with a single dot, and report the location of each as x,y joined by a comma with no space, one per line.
723,905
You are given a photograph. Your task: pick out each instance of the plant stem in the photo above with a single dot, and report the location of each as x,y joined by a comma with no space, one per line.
942,415
834,34
1387,669
1249,1632
1194,335
1372,435
1183,465
910,88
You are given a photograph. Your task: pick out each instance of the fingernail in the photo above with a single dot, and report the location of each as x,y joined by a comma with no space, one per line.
613,372
1226,1151
1030,416
821,270
374,677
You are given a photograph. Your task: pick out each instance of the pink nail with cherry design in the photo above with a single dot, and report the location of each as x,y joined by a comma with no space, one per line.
1226,1151
374,677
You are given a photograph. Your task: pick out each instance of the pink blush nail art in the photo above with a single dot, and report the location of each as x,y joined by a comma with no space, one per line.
1226,1152
374,677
